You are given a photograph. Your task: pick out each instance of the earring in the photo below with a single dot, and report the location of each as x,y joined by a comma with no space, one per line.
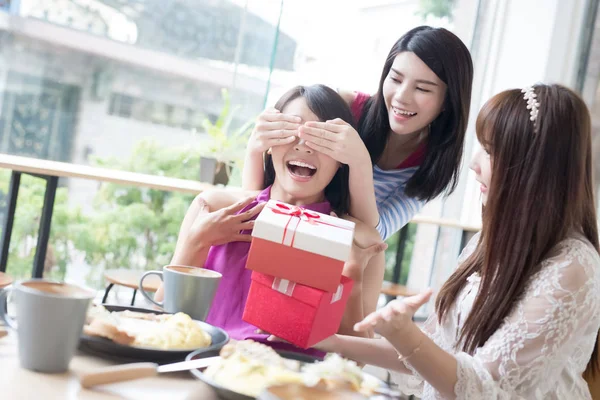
269,151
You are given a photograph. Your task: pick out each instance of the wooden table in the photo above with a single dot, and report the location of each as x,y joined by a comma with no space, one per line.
51,171
131,279
18,383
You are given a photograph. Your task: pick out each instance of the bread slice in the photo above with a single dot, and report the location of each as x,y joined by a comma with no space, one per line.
141,315
106,329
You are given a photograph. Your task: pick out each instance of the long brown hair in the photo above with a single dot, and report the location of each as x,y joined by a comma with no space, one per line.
541,190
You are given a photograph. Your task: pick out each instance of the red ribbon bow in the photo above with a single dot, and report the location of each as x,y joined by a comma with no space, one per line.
295,211
302,215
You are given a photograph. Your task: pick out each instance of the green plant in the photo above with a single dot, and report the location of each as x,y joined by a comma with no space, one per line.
226,144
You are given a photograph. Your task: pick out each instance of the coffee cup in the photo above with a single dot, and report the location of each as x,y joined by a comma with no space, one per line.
49,320
190,290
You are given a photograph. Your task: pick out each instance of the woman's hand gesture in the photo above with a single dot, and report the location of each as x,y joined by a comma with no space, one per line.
336,139
273,129
224,225
391,320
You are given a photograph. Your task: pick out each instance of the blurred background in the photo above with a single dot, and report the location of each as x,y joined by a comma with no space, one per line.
167,88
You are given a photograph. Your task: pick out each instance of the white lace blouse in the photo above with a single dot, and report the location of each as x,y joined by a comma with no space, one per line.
542,348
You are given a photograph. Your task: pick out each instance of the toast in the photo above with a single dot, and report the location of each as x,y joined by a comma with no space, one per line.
106,329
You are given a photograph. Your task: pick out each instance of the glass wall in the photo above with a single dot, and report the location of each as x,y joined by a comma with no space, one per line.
126,85
133,85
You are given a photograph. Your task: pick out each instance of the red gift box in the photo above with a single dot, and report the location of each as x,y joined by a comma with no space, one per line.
300,245
299,314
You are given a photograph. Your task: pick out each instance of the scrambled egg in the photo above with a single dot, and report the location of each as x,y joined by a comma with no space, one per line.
178,331
249,367
249,376
337,372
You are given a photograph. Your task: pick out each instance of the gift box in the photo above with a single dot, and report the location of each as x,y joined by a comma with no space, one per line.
300,245
299,314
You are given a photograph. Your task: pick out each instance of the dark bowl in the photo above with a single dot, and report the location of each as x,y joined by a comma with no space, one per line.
106,348
228,394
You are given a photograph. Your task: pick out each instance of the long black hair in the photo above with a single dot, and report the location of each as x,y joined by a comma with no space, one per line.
447,56
326,104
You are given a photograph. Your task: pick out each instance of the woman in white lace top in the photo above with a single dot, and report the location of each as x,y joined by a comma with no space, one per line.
519,318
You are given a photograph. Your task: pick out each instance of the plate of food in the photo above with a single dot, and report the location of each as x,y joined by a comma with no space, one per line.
248,370
138,334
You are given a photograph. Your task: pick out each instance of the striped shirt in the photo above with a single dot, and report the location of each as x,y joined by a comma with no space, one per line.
395,208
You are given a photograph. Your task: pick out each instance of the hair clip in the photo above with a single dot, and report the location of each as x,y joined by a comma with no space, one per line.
532,104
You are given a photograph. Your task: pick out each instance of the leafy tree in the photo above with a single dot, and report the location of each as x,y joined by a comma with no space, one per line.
133,227
129,227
